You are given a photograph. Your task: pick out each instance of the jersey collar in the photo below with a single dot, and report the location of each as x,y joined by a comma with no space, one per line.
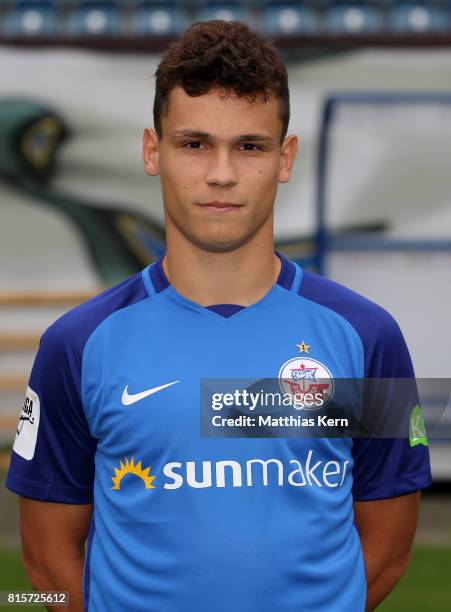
285,279
160,280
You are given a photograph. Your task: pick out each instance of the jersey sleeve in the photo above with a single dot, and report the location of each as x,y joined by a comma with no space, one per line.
53,453
390,467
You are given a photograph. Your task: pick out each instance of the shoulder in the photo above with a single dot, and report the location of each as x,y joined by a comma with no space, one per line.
382,339
367,317
70,332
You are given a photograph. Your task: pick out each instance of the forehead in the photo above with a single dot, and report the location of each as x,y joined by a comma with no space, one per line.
222,115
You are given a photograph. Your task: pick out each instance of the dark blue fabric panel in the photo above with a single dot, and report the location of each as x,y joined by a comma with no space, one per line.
226,310
62,468
87,568
383,467
158,275
287,272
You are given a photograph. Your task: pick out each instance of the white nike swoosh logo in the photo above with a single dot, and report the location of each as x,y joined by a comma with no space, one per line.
131,398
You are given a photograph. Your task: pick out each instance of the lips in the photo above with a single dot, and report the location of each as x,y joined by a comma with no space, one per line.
221,207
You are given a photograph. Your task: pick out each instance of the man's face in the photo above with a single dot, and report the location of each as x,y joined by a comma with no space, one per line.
223,150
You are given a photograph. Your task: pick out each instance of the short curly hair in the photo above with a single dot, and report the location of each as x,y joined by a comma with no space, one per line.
222,54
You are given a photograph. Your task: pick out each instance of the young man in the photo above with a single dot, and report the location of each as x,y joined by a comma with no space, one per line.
110,441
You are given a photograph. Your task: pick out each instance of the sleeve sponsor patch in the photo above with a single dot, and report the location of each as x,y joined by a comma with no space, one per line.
27,429
417,428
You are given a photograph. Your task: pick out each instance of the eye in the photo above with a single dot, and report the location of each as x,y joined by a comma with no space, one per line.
187,145
250,144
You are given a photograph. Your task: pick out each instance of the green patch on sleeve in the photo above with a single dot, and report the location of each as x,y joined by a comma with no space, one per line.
417,428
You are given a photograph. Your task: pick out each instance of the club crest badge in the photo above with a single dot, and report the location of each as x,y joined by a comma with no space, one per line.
303,376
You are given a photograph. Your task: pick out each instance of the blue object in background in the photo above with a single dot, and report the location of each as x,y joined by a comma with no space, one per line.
95,19
408,17
158,19
353,18
39,18
290,18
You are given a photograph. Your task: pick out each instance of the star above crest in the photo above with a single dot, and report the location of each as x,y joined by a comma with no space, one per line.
303,347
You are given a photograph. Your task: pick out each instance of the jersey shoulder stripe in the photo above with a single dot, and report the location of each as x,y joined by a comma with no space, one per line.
379,332
63,427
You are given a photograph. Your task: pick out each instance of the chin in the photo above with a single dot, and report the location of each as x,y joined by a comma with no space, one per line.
220,245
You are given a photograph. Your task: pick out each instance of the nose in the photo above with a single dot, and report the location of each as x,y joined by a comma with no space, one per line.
221,170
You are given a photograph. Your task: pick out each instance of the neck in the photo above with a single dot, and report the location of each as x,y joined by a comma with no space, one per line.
241,276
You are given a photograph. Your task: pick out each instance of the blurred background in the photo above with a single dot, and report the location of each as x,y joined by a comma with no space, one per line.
369,203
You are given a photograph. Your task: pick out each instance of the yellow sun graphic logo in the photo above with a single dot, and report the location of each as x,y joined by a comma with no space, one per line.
129,467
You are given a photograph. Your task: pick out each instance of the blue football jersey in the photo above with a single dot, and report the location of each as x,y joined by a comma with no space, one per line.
189,523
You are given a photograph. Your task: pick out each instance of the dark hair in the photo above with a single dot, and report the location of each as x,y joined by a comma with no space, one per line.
224,54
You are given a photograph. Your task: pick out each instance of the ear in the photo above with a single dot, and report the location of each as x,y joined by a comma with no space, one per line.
151,152
288,152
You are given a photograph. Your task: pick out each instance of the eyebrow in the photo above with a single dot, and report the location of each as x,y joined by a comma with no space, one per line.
255,137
